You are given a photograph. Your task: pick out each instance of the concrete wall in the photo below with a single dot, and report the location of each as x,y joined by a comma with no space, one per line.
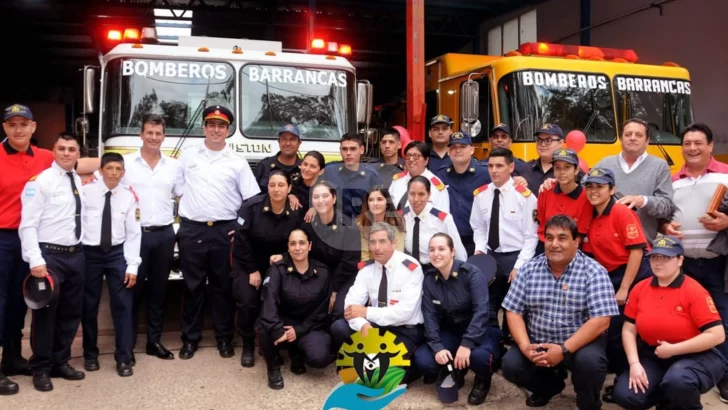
689,32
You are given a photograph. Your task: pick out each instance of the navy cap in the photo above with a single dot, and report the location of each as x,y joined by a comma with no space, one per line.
460,138
501,127
600,176
290,128
447,387
17,110
667,245
218,112
551,129
566,155
40,292
440,119
486,263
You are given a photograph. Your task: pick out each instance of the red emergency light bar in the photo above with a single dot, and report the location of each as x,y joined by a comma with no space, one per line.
321,46
571,51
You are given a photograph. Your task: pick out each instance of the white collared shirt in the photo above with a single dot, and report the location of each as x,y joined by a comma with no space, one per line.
432,221
49,213
404,293
216,183
125,227
516,221
625,166
439,196
156,188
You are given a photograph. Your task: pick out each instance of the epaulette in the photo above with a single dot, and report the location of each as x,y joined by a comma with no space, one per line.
480,189
437,183
523,190
136,198
364,264
404,211
88,181
400,175
438,213
409,264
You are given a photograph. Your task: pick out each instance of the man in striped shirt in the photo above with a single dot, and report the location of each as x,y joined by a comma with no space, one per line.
693,188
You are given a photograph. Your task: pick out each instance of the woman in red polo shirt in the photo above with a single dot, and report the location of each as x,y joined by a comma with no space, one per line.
616,240
670,333
567,197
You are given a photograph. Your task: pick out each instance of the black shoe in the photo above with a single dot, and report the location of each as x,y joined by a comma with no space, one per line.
158,350
188,350
480,390
7,386
124,369
297,364
537,400
13,363
248,358
226,349
133,359
429,379
91,365
42,382
275,378
67,372
608,396
723,389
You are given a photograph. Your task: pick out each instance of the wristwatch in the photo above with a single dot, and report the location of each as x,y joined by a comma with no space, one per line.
565,352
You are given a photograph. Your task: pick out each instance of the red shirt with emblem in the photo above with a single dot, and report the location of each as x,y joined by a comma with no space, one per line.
613,234
674,313
16,168
575,205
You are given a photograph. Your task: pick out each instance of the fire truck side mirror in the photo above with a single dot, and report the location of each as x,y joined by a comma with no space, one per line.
469,102
364,101
89,89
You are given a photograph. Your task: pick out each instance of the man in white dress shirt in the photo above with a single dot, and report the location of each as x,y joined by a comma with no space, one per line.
157,179
217,180
111,241
50,235
392,283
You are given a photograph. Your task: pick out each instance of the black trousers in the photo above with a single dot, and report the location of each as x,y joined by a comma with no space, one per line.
315,347
112,266
13,270
205,262
54,327
157,253
338,311
500,286
588,367
247,306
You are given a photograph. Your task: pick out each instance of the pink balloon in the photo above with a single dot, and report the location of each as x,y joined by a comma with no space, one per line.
404,137
575,140
583,165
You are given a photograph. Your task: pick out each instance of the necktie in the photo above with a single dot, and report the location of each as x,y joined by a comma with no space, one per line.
77,197
106,224
494,229
416,240
382,299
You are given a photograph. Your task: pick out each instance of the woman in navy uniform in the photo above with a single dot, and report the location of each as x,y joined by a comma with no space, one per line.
312,167
670,333
265,222
457,325
295,301
378,207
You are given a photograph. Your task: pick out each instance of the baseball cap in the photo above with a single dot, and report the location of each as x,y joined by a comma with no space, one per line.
17,110
440,119
667,245
290,128
501,127
40,292
600,176
566,155
447,387
460,138
551,129
218,112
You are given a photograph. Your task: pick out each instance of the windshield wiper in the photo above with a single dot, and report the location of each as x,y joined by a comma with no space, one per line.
270,108
190,124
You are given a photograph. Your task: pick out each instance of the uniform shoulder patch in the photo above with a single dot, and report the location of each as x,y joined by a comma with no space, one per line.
404,211
437,183
409,264
364,264
523,190
480,189
400,175
88,181
438,213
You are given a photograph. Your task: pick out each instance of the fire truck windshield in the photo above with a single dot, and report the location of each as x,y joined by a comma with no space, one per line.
528,99
319,101
176,90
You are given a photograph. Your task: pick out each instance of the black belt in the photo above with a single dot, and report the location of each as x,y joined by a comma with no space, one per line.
504,253
97,248
208,223
51,248
155,228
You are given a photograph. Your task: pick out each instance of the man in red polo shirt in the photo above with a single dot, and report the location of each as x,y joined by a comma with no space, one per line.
19,161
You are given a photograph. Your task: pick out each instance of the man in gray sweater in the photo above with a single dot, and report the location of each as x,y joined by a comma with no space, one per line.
643,179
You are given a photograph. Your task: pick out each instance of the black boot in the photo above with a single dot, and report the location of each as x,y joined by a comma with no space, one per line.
275,378
7,386
13,363
481,387
297,363
248,357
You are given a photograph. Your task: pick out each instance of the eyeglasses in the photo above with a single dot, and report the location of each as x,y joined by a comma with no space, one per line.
413,156
661,258
546,141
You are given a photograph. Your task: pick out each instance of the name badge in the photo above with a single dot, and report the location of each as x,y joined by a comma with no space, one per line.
437,302
393,302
